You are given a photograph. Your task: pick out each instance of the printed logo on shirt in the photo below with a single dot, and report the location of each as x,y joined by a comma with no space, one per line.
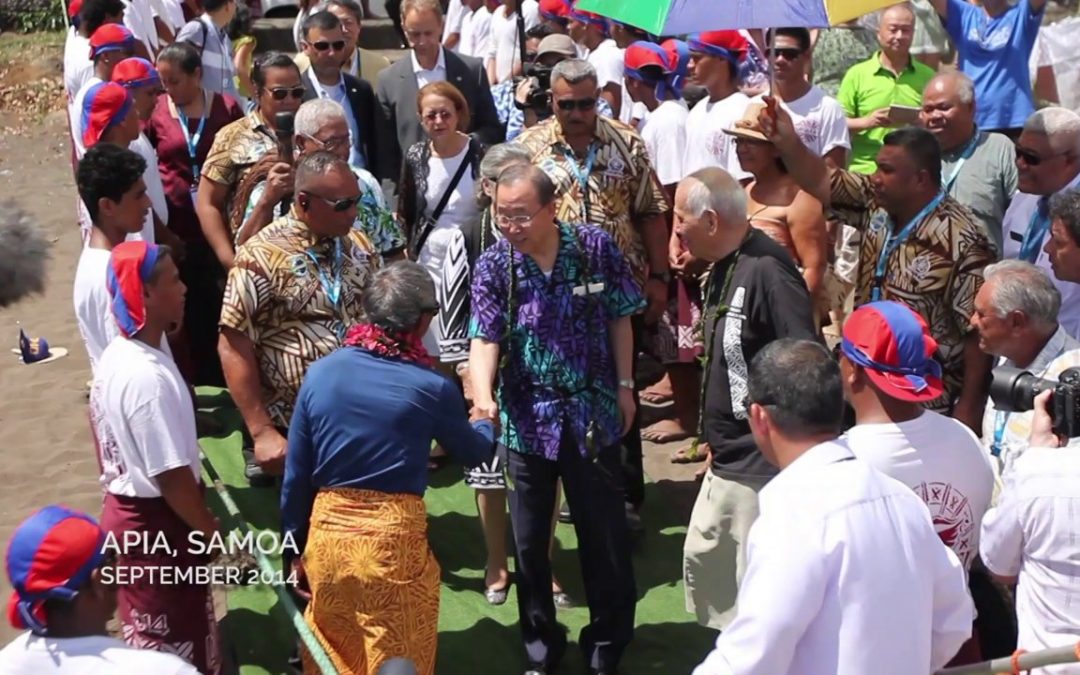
953,519
718,145
298,264
919,267
996,39
808,129
616,168
879,222
738,373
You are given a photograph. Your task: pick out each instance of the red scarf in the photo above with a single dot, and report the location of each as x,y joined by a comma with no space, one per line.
376,340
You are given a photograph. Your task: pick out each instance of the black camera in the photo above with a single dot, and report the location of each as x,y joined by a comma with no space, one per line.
539,98
1014,390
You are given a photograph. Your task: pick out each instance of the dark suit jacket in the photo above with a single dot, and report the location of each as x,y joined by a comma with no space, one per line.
396,92
362,101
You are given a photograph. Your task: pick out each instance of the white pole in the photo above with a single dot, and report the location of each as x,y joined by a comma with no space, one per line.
1046,657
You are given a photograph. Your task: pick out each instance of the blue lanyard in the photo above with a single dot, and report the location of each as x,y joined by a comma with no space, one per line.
331,286
1000,420
969,150
1037,228
193,141
582,175
893,243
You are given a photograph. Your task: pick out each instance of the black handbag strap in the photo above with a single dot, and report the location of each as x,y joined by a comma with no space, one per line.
430,223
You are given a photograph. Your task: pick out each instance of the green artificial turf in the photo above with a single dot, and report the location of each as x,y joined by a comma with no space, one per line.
475,638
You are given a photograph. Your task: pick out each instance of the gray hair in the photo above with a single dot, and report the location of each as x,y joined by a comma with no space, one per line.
1061,127
713,189
1065,206
421,6
315,165
497,158
1019,286
541,182
574,71
965,87
398,296
313,115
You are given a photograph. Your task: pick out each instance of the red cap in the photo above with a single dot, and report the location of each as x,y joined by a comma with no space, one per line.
111,37
582,16
73,8
893,345
640,54
136,72
728,44
555,10
105,104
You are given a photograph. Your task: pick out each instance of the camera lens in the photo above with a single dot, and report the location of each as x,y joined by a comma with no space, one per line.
1014,390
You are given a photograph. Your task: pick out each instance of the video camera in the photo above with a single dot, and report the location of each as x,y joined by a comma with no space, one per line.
1014,390
539,98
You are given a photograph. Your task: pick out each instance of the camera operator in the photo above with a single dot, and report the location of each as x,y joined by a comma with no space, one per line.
1016,317
1029,538
532,98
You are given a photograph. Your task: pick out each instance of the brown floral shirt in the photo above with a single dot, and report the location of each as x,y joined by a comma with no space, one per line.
237,147
936,271
622,187
280,295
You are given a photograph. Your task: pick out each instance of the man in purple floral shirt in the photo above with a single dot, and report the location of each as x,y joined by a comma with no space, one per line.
551,307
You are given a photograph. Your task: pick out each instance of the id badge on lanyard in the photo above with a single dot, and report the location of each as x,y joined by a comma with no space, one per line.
893,242
192,142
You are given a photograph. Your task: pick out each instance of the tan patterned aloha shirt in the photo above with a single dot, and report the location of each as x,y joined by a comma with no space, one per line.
622,186
237,147
937,271
277,295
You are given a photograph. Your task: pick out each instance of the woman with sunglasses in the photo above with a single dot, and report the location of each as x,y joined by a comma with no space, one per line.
240,147
436,193
182,128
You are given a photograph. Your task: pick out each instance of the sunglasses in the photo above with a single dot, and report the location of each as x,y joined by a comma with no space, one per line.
1031,159
788,53
339,205
281,93
581,104
323,45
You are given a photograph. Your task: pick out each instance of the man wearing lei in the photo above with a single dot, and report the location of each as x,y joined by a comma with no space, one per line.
752,296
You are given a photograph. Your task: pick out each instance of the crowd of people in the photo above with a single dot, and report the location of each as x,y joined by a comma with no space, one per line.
835,242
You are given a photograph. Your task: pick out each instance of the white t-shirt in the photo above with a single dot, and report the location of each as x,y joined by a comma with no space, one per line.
504,47
476,34
78,68
93,306
664,133
943,462
31,654
143,418
455,13
155,190
171,12
819,121
706,143
139,19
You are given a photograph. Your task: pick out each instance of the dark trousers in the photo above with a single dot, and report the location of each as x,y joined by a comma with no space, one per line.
633,469
595,492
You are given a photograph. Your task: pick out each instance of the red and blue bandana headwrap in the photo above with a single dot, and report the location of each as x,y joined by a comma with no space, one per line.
893,345
111,37
50,557
105,104
582,16
73,12
130,266
641,55
136,72
727,44
679,60
555,10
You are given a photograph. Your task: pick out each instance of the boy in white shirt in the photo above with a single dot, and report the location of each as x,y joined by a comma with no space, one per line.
714,59
65,595
589,31
646,72
504,43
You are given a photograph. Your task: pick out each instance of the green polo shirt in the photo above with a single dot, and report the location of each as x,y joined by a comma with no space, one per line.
869,86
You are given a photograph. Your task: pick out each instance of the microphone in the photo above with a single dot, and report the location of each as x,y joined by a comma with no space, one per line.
283,129
23,253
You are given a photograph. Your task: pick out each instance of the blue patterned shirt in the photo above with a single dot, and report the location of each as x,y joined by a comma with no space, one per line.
551,341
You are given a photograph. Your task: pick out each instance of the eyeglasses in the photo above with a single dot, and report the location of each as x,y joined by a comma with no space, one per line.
788,53
438,115
1031,159
323,45
281,93
520,219
330,143
582,104
339,205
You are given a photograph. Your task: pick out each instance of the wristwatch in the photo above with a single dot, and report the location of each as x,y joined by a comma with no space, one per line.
627,384
661,276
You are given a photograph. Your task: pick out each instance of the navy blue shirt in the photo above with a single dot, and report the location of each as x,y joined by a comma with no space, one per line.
366,422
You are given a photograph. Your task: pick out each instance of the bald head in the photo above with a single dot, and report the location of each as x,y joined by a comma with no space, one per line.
710,213
948,110
896,31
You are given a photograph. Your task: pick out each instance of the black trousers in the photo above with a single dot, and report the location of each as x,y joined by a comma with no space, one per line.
633,468
595,492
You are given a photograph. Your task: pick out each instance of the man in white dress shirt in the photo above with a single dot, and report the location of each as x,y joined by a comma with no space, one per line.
1047,161
845,573
1016,316
1029,539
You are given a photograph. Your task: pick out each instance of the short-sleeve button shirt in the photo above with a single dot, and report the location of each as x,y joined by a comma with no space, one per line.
623,188
936,271
237,148
552,339
276,296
